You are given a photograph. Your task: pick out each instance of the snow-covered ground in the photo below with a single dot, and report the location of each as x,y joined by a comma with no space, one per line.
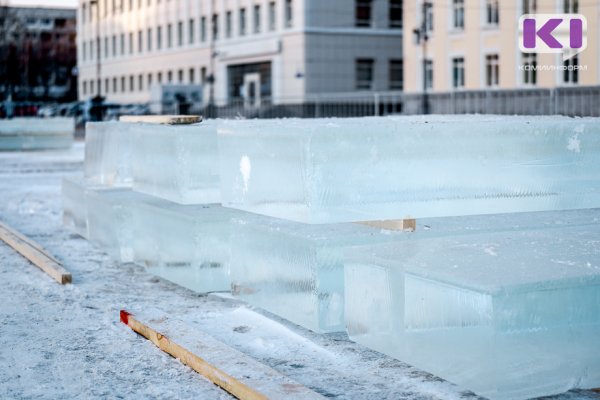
67,342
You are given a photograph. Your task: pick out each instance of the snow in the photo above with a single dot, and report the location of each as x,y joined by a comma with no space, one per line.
67,342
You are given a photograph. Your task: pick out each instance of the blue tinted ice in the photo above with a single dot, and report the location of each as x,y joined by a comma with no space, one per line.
340,170
513,314
36,133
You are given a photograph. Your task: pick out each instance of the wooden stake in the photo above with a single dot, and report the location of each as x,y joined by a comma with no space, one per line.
393,224
238,374
35,253
162,119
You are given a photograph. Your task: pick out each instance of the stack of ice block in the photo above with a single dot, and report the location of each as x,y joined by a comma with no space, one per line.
316,172
36,133
136,173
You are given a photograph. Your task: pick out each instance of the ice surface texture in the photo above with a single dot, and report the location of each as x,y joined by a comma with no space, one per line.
177,162
188,245
510,315
108,147
36,133
295,270
340,170
75,208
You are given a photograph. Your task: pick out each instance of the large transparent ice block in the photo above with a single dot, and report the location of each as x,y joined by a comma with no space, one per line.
36,133
177,162
110,220
508,315
296,270
75,205
360,169
188,245
108,153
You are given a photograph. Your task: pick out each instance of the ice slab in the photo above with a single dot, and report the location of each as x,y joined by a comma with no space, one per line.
108,153
75,206
110,220
186,244
509,315
177,162
295,270
36,133
360,169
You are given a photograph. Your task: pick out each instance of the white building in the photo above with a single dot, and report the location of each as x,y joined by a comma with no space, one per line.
282,51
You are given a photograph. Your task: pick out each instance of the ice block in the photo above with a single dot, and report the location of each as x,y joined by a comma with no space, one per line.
509,315
376,168
110,220
75,205
188,245
295,270
108,153
177,162
36,133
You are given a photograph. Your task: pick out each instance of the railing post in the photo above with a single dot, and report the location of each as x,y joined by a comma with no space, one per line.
376,104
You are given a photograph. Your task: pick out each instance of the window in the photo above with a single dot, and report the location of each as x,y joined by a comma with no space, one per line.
123,84
272,16
215,26
91,49
131,84
362,10
149,39
106,47
396,14
169,36
149,81
429,17
458,12
169,76
203,29
92,91
396,75
84,88
140,44
203,75
458,72
492,70
130,42
106,85
180,76
159,38
242,21
83,13
84,51
364,73
159,78
529,6
288,14
122,41
257,19
529,68
228,24
492,13
428,74
180,33
571,6
571,72
191,30
114,45
115,88
140,82
191,75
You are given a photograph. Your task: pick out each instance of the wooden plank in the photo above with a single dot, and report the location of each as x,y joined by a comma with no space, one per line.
235,372
162,119
35,254
409,224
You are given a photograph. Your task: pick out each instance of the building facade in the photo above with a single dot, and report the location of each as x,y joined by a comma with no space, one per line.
37,49
474,45
248,51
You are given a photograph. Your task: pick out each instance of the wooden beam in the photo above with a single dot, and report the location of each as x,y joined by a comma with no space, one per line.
162,119
409,224
34,253
235,372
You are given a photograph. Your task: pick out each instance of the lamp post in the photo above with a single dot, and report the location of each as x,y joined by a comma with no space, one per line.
422,38
98,99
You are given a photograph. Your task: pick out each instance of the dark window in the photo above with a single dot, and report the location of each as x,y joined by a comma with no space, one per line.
396,75
363,13
364,73
396,12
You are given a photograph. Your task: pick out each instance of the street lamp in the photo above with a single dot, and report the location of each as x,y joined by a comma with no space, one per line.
98,99
422,37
